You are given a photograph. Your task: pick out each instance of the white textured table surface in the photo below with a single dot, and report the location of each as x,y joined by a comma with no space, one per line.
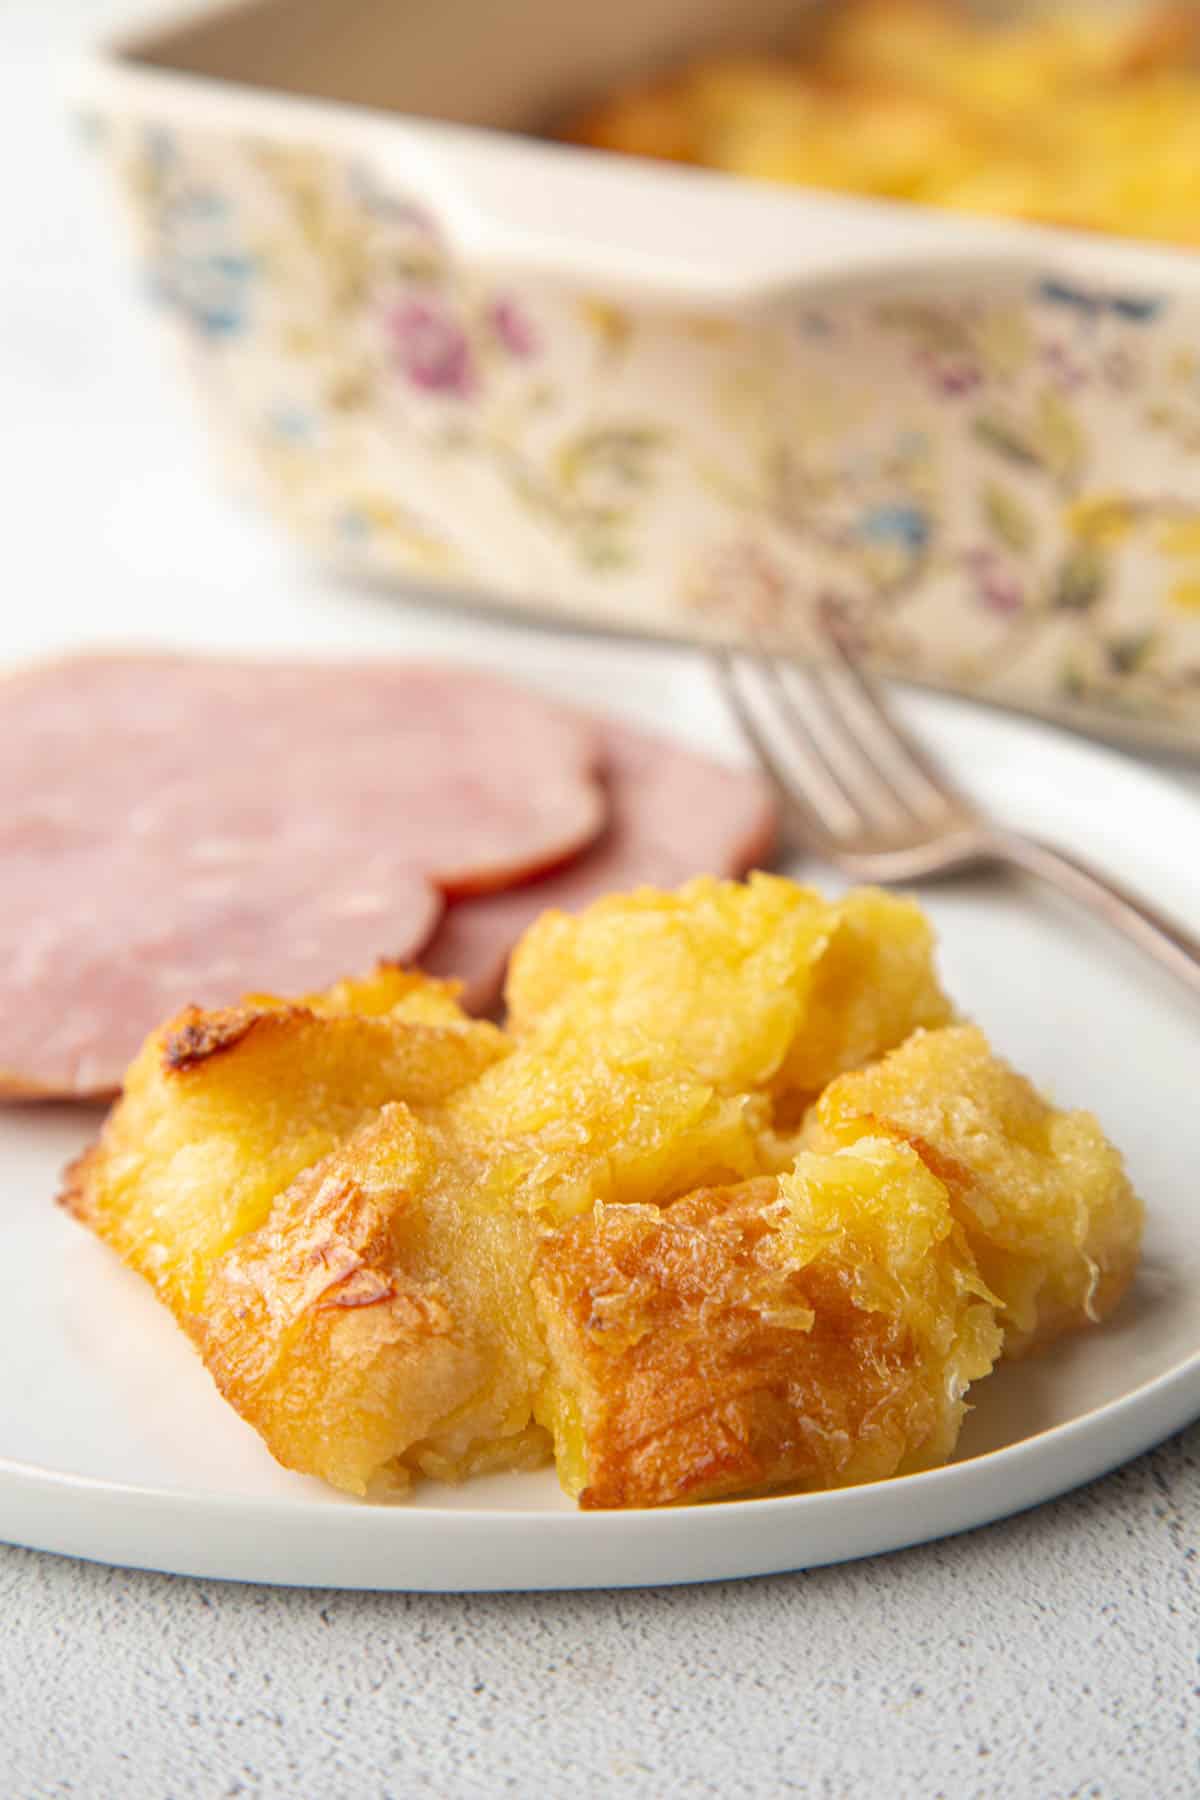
1055,1655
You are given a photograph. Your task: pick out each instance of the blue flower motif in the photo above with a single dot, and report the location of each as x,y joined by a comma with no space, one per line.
201,273
1140,309
1090,303
1062,293
905,525
292,424
159,145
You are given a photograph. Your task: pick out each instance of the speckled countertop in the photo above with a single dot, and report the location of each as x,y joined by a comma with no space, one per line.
1051,1656
1054,1655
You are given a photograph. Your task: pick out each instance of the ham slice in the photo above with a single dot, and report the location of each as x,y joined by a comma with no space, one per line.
672,815
177,829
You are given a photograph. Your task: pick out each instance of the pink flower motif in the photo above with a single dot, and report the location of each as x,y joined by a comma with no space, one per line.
958,377
1065,369
432,348
511,327
998,588
951,373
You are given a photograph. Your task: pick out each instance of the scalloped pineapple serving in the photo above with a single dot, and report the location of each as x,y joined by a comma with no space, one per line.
730,1204
1041,1195
814,1329
222,1110
761,987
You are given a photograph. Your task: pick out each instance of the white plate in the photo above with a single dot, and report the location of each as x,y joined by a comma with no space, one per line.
115,1446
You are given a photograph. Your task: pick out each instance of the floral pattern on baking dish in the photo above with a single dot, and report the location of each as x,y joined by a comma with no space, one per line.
990,480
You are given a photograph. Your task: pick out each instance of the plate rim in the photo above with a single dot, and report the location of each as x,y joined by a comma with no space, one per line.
344,1507
194,1539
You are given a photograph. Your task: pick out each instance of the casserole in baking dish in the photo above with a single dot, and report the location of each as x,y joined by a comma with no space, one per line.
655,398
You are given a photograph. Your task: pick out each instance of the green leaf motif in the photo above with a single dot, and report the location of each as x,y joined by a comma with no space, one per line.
1007,516
1126,655
935,328
1058,436
1081,579
1072,682
1004,341
722,485
412,264
623,452
1006,439
604,553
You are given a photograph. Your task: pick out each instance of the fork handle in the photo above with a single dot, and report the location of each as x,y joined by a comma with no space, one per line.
1152,930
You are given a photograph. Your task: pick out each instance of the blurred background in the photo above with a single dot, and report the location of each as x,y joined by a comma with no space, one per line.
110,486
121,514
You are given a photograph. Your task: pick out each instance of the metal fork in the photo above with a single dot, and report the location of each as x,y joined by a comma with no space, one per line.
869,799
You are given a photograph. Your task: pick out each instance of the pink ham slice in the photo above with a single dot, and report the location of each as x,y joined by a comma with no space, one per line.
672,815
176,829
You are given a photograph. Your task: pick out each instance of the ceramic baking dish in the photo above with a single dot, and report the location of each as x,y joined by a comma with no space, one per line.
653,398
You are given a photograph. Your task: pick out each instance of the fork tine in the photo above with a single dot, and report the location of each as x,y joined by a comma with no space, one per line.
817,755
729,669
892,749
815,746
813,707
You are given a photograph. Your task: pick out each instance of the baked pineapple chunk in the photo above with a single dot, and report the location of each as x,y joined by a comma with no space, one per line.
559,1133
221,1110
380,1322
1042,1195
815,1329
342,1209
758,986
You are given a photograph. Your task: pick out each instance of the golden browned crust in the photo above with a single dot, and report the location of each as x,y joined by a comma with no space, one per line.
202,1035
196,1034
317,1332
264,1171
249,1096
702,1350
75,1194
670,1378
1163,37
